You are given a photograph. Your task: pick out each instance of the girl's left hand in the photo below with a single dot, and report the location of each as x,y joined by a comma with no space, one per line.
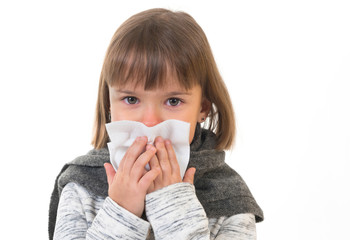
165,158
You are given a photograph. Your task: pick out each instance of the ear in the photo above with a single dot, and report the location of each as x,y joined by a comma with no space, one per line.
205,109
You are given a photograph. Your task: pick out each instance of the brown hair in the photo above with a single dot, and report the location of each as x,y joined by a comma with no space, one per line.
145,48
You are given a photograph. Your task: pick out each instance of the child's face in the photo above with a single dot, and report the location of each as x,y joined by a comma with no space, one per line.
152,107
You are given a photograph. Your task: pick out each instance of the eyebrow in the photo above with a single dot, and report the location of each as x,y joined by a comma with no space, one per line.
178,93
125,91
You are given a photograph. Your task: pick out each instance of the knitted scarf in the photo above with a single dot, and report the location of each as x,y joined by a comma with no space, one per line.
219,188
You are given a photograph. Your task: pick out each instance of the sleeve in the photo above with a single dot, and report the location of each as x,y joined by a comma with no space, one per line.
240,226
175,212
74,219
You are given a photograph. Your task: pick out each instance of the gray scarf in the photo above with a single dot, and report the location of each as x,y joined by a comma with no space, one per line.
220,189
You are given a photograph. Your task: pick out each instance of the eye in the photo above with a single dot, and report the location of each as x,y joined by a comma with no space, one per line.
130,100
173,101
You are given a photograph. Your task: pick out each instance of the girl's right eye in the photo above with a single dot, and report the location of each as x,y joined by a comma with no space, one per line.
130,100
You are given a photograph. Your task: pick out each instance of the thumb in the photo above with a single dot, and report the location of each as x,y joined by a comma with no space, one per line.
110,172
189,175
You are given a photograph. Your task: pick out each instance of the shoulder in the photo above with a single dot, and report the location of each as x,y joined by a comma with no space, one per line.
88,171
76,198
75,189
75,192
224,192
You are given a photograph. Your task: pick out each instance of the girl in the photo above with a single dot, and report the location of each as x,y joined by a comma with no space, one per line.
158,66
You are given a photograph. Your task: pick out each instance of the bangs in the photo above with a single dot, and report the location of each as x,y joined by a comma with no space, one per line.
151,53
148,69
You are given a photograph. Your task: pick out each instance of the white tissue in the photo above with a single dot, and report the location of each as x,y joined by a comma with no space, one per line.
123,133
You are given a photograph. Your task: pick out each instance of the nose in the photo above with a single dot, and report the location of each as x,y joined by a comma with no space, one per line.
151,117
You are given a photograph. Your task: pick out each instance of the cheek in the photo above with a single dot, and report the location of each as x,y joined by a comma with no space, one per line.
118,114
121,117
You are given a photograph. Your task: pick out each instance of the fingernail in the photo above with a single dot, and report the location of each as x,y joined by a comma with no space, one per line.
150,147
153,149
167,142
142,138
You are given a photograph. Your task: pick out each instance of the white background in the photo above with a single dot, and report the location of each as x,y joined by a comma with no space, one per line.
287,67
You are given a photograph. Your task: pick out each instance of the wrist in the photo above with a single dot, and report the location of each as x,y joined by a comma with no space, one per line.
128,207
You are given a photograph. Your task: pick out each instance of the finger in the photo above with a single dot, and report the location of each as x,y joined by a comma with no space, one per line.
189,175
138,168
153,163
146,181
162,156
172,158
133,152
110,172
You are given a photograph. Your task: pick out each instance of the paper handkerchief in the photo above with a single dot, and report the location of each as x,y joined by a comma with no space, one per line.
123,133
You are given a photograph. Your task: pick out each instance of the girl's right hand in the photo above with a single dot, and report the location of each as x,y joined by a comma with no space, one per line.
128,186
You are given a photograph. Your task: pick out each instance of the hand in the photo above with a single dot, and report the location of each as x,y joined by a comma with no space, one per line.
165,159
128,186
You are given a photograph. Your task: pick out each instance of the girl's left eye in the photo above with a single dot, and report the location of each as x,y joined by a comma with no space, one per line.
173,102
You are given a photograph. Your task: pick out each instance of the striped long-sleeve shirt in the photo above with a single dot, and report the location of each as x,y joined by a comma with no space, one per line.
173,212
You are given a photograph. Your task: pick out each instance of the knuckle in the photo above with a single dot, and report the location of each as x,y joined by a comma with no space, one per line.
140,163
